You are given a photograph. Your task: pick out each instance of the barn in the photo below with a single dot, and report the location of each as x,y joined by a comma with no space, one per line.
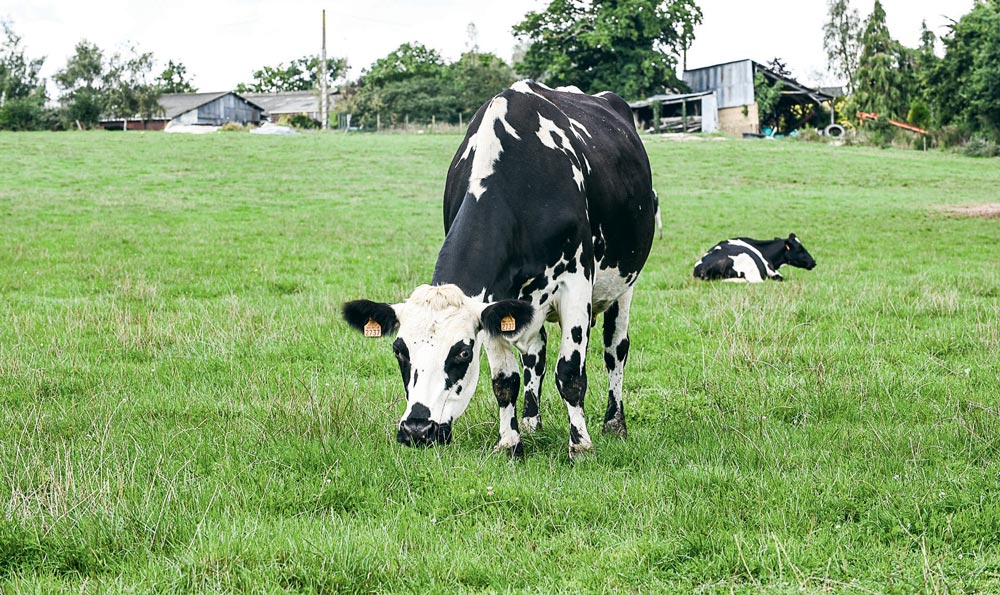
292,103
203,109
733,84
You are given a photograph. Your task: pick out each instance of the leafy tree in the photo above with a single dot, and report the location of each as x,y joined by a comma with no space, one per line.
22,94
129,87
964,86
842,40
405,62
767,97
301,74
476,78
626,46
81,83
884,78
174,79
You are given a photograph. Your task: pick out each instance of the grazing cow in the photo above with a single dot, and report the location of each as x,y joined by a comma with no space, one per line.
549,215
743,260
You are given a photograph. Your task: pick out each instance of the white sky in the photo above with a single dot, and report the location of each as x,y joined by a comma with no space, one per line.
221,42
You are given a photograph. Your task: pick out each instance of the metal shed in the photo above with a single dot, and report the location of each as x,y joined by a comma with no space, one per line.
690,112
733,83
291,103
207,109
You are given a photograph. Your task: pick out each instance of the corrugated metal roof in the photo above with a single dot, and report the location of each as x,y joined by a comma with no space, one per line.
175,104
292,102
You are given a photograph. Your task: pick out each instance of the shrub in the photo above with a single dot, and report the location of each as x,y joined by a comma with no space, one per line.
980,147
233,127
302,121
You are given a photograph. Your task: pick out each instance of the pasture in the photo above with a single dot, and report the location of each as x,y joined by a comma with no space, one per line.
184,411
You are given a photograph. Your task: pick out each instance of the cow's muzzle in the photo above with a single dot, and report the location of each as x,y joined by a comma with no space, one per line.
423,432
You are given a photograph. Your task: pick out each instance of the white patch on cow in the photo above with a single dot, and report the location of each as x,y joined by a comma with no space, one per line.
570,89
548,131
609,285
577,128
487,144
431,321
746,267
767,265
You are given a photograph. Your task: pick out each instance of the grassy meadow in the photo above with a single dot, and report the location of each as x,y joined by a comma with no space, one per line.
182,410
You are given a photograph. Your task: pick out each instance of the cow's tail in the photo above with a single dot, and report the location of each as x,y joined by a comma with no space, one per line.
659,218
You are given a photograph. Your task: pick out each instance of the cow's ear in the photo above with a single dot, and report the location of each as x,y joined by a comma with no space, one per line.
507,318
374,319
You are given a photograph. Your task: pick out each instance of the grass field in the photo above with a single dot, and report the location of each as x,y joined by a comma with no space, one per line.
183,411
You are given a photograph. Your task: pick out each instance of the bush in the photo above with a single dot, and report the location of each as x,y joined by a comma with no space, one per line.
302,121
951,136
980,147
233,127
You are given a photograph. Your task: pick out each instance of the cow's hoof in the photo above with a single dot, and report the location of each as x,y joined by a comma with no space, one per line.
530,425
514,451
616,426
581,452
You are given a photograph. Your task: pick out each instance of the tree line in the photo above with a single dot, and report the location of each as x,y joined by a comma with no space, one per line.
956,94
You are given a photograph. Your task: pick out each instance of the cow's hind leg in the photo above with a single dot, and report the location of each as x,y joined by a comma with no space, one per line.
571,369
506,385
533,360
616,346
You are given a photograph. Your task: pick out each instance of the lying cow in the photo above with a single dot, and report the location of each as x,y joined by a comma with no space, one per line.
549,214
752,261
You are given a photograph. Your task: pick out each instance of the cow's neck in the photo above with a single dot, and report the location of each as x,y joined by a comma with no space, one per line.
773,251
477,254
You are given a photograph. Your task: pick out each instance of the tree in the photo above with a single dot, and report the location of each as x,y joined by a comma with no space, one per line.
22,94
301,74
81,85
477,77
129,88
842,40
626,46
964,86
409,60
174,79
884,78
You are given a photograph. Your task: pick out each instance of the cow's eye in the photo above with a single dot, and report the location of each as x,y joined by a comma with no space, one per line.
464,354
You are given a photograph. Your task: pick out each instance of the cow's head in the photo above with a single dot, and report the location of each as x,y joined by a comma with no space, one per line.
439,331
796,254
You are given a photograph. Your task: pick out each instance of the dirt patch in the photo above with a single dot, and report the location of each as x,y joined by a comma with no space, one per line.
990,210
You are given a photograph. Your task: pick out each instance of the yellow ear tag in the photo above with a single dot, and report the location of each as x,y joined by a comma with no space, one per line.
373,329
507,324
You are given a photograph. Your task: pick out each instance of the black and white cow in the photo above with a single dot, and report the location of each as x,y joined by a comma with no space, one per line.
549,215
751,261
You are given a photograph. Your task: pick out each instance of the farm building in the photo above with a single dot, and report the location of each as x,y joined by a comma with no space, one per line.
279,105
691,112
733,84
206,109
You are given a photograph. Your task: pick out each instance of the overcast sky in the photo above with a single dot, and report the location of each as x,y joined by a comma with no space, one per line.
223,41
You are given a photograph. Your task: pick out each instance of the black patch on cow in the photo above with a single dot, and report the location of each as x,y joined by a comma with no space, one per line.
457,363
612,411
537,284
610,323
609,361
527,375
358,312
419,411
571,380
522,312
506,387
403,357
574,435
622,350
577,333
543,299
528,360
513,423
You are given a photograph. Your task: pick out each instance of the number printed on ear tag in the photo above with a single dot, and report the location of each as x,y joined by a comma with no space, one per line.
373,329
507,324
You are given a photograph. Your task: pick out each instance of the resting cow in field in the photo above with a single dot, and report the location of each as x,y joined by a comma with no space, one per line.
752,261
549,216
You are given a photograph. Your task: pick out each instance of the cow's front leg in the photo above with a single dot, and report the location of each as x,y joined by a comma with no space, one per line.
506,385
616,346
571,369
533,360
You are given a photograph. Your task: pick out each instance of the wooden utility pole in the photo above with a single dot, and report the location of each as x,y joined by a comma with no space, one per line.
324,95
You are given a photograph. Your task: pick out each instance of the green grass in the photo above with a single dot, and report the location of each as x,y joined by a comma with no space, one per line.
183,410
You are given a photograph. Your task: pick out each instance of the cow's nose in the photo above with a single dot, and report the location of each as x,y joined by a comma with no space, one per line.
415,432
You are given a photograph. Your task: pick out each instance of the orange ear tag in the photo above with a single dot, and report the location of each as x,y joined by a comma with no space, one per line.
373,329
507,324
